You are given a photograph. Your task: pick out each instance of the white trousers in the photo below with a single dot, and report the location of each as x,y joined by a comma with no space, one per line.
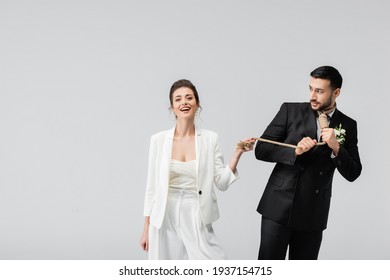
183,234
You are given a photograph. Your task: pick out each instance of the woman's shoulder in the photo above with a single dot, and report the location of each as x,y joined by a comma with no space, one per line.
162,133
207,132
199,131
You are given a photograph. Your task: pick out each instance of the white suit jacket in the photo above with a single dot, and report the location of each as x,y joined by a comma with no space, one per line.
210,171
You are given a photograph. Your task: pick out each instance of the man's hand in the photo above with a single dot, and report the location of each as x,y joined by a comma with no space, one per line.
329,137
304,145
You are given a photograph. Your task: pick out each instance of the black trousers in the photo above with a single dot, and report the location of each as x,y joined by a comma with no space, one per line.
276,238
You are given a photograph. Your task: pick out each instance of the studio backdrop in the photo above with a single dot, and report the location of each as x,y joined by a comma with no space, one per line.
84,84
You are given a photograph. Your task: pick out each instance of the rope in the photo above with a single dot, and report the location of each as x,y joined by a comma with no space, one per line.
322,119
247,144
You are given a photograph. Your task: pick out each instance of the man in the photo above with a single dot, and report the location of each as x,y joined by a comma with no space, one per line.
295,203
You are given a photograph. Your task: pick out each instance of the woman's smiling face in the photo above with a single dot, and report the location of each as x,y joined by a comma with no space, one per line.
184,104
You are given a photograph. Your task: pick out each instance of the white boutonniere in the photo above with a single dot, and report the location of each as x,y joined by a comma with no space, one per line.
340,133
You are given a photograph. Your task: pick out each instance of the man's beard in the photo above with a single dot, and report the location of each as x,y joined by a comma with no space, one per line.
324,106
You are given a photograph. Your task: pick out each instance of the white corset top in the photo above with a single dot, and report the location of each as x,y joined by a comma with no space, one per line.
183,175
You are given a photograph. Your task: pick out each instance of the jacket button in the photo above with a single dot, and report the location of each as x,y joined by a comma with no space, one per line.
200,192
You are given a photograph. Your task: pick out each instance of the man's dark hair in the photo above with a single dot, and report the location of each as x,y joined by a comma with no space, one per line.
328,73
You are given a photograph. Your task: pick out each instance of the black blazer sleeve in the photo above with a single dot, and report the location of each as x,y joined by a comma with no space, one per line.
276,131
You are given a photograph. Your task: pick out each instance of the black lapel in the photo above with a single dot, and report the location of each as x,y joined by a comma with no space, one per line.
310,122
335,119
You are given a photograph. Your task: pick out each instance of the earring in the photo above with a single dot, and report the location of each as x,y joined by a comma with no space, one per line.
173,114
197,114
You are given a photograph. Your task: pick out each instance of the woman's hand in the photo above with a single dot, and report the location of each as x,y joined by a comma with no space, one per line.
245,145
144,242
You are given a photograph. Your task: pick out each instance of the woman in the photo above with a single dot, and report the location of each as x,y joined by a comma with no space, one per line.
184,165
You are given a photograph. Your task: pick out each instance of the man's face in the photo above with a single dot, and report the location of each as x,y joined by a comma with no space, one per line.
322,96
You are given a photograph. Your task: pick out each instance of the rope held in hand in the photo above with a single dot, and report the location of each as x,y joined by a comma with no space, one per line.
322,118
247,144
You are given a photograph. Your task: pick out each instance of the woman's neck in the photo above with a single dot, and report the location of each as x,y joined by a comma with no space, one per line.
184,128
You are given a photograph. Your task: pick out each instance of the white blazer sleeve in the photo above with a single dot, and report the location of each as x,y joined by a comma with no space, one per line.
151,179
223,175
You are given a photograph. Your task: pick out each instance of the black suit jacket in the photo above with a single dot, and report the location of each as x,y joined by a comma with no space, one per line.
299,189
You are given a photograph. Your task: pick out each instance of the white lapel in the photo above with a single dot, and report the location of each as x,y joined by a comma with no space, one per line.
168,146
169,143
198,148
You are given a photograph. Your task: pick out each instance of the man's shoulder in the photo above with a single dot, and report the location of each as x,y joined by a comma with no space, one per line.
295,106
344,117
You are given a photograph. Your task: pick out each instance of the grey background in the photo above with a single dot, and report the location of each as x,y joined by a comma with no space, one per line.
84,84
